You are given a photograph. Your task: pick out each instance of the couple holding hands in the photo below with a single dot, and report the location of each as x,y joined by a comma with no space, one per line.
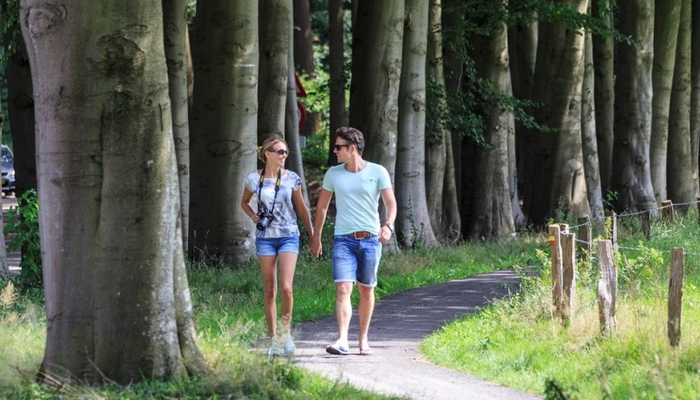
357,240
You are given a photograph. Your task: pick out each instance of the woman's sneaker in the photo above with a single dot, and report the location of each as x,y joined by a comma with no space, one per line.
289,346
275,349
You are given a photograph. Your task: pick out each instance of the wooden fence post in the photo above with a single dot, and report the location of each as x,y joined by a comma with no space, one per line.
675,296
568,246
557,283
667,212
585,233
607,287
645,216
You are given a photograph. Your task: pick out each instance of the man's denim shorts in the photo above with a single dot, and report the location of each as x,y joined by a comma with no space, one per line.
275,246
356,260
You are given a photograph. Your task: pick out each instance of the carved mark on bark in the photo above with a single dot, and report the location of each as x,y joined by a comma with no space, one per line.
122,56
223,148
43,18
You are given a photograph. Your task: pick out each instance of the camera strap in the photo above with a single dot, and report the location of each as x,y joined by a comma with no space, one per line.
277,187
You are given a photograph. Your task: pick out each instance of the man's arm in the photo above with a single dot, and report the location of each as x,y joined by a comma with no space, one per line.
390,204
324,200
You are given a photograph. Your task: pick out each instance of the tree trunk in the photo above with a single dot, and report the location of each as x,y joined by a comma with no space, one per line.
303,38
490,204
666,18
303,57
291,120
376,72
20,104
274,61
224,126
695,92
452,65
522,50
681,187
604,95
413,226
555,177
175,29
588,135
436,129
336,83
110,240
633,93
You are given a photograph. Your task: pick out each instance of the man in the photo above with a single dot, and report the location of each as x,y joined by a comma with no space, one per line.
359,234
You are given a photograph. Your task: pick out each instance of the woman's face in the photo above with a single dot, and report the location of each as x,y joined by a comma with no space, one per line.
276,154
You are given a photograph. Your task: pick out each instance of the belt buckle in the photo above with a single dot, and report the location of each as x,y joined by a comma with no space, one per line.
363,235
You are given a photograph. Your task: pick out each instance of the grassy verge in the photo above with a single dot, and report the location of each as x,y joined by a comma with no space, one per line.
519,344
230,324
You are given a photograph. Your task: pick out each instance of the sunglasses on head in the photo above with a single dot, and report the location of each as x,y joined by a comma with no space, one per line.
340,146
280,151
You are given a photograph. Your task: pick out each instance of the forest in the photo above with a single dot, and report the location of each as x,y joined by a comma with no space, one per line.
137,122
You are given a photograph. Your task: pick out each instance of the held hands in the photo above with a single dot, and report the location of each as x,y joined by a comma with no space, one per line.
315,246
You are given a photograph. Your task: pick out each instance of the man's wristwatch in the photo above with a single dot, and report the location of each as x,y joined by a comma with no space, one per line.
390,226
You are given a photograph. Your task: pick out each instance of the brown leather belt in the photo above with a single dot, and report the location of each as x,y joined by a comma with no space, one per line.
359,235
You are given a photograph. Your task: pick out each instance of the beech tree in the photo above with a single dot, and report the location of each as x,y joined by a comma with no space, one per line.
274,68
681,185
413,223
175,28
440,187
491,213
666,18
376,74
631,180
224,128
604,91
555,174
117,299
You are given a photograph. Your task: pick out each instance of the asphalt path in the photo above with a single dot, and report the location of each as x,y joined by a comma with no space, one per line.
399,325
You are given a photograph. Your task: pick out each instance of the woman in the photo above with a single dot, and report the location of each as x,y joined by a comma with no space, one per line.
278,194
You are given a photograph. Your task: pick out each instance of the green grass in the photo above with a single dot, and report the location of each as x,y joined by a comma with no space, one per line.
231,328
519,344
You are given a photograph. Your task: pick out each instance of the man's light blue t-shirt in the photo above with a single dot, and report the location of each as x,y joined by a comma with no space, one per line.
357,197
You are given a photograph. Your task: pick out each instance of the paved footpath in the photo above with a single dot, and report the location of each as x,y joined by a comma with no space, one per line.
399,325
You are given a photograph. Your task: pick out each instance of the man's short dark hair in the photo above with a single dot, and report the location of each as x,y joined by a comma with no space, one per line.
353,136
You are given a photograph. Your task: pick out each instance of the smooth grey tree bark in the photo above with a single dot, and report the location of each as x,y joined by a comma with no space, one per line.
336,83
681,186
376,74
291,120
175,29
522,50
117,301
555,173
442,199
589,143
413,225
491,213
274,70
604,94
695,92
666,19
631,181
223,129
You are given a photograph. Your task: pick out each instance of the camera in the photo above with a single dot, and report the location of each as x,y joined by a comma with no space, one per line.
266,217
